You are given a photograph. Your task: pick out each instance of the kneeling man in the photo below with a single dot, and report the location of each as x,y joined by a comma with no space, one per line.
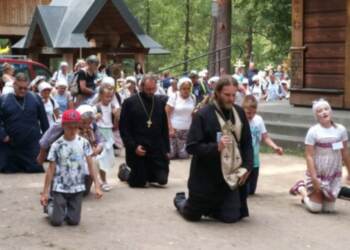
221,144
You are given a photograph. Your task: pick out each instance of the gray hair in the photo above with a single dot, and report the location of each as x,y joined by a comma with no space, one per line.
87,115
148,77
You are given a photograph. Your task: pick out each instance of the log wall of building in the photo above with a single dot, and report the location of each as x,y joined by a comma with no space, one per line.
16,15
324,39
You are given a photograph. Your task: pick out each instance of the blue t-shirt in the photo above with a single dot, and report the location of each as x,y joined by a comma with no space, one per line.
257,129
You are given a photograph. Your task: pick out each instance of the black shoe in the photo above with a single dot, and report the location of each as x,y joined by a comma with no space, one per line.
123,172
179,198
344,193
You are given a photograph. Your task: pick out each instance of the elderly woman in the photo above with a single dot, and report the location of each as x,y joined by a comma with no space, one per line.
62,96
179,110
51,106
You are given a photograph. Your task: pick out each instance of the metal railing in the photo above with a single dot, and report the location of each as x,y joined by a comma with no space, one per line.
201,56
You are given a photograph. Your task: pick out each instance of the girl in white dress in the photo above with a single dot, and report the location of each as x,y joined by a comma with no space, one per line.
325,149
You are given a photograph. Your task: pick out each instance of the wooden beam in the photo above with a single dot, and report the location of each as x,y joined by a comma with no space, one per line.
10,30
347,60
298,49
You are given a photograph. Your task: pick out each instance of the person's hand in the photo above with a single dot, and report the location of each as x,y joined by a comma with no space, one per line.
224,141
44,198
98,116
6,139
172,132
140,151
316,185
40,158
279,151
99,192
243,179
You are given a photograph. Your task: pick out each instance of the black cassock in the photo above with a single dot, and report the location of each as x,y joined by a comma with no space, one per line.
209,194
154,167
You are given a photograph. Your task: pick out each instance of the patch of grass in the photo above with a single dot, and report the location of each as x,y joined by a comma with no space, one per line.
288,151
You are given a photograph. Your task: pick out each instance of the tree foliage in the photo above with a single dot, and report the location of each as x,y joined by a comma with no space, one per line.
270,21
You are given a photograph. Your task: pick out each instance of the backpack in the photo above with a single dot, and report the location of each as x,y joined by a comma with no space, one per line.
74,86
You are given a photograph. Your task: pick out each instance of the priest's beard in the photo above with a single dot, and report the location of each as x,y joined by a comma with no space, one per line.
224,105
147,96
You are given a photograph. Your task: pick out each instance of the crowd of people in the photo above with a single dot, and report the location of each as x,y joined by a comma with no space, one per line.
80,121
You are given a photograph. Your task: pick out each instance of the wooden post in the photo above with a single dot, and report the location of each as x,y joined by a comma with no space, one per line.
69,58
298,49
347,60
140,58
224,33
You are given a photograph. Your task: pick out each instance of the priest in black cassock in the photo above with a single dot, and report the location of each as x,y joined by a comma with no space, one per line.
212,193
144,130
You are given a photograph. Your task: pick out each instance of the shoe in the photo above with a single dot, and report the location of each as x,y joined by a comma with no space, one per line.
179,197
105,187
344,193
49,207
295,189
124,172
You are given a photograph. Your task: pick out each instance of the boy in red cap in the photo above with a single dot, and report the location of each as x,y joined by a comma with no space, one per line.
68,158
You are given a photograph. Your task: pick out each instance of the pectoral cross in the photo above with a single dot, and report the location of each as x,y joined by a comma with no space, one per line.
149,124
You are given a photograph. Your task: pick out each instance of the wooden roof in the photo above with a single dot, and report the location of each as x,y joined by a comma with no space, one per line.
67,24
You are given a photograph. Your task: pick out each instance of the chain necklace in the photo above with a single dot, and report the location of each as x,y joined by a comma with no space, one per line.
149,115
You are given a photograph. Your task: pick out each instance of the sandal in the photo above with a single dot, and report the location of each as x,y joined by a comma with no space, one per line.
295,189
105,187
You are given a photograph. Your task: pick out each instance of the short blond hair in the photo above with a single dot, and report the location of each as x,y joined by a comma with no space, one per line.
250,101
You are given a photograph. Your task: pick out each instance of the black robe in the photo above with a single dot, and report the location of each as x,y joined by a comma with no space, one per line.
23,120
154,167
206,180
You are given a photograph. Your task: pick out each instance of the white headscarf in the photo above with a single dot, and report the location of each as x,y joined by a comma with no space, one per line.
182,81
318,104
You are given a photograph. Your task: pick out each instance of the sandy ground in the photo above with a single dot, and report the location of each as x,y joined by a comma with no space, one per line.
146,219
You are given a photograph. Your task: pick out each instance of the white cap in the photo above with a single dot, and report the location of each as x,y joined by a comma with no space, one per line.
108,81
44,86
82,109
131,79
245,81
63,64
182,81
203,73
214,79
61,84
255,78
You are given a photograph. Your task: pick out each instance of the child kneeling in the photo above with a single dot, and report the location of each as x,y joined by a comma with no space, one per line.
68,157
325,150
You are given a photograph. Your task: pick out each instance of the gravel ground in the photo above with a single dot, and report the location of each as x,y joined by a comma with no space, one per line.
146,219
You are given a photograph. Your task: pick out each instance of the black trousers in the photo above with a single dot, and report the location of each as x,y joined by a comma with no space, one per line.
227,209
151,168
19,159
66,207
253,181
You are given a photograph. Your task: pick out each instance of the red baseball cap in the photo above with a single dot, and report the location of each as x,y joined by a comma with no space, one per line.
70,115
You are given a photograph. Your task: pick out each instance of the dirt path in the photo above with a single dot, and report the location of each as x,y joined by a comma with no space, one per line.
146,219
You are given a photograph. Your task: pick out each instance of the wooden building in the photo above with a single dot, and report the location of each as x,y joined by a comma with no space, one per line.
16,16
321,52
71,29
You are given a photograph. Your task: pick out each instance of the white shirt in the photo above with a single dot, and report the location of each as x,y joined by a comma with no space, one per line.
319,134
181,117
257,92
58,76
171,91
50,106
106,119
